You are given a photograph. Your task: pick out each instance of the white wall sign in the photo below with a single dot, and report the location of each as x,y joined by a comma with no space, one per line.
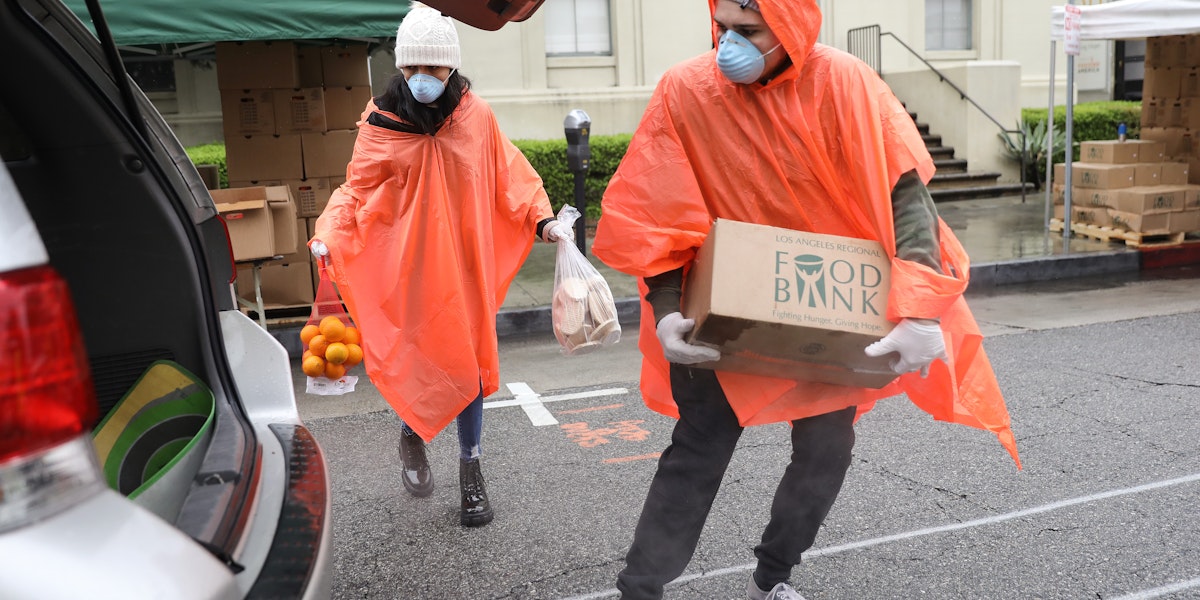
1092,65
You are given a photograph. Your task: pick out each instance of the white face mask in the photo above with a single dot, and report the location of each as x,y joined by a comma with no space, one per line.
427,88
739,59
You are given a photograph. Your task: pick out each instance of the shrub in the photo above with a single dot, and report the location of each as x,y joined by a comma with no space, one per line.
210,154
548,157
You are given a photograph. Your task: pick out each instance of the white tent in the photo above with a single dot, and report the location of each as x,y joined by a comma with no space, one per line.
1123,19
1131,19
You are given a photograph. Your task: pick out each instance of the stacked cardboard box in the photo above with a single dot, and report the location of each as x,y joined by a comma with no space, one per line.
1171,98
1129,185
290,114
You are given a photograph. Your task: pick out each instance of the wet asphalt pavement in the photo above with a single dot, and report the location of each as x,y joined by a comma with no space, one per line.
1101,381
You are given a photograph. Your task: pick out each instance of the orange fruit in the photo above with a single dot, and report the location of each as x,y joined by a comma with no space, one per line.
317,345
304,357
334,372
308,332
337,353
333,329
313,366
355,355
352,336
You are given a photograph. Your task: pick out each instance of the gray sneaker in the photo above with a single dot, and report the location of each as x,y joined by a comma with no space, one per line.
781,591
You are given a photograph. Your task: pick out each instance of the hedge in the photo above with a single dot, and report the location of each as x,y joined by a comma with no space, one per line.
548,157
1092,120
210,154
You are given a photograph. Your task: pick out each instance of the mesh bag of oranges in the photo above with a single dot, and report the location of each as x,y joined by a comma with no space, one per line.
331,342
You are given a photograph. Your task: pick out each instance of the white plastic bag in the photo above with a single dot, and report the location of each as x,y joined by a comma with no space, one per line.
583,311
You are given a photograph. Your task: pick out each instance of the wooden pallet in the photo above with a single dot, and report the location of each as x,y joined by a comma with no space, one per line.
1131,238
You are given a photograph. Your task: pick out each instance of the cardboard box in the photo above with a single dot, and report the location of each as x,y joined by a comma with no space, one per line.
1097,216
1184,221
299,233
1189,86
264,158
258,236
1109,151
327,154
1102,176
251,233
345,66
1149,112
301,110
1058,193
790,304
1147,223
210,175
344,105
1177,142
1174,173
1166,51
281,284
1170,113
1191,197
257,65
1089,198
247,112
1147,174
1150,199
1189,113
1162,82
311,195
308,66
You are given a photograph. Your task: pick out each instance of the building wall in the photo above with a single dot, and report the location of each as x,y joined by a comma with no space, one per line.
531,93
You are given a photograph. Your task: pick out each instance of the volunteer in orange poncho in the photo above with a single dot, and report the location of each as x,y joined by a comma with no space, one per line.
773,128
438,212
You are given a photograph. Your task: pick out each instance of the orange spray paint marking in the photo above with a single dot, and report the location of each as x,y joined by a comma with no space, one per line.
592,409
582,434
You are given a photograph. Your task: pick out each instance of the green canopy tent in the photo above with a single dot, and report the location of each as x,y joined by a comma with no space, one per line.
150,22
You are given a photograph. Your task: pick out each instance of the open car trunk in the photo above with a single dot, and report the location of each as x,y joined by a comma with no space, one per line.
128,224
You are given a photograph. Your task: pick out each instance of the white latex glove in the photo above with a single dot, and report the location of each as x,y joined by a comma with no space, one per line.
318,248
918,345
555,230
670,334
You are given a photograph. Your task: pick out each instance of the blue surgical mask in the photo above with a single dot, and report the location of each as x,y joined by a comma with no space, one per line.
427,88
739,60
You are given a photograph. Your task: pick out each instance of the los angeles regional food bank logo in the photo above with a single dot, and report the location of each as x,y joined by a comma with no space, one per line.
814,282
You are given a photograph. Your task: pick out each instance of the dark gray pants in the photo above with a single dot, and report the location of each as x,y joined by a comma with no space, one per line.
690,471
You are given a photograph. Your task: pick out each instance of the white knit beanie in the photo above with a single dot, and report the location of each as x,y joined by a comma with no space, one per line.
427,38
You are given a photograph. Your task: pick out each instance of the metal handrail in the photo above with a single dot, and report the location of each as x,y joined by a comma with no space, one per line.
865,43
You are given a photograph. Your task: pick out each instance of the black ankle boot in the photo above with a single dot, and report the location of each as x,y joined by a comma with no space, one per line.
476,510
416,476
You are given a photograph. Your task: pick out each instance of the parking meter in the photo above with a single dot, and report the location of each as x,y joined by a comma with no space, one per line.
578,126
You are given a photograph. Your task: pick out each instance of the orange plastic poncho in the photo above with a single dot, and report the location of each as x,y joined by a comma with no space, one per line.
425,237
819,148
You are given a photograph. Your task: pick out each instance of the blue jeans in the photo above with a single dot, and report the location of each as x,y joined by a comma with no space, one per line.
470,428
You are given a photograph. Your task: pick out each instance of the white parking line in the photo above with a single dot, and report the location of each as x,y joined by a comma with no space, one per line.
955,527
557,398
535,405
531,403
1161,591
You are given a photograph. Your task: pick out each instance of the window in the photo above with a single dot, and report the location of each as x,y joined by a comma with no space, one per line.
577,28
948,25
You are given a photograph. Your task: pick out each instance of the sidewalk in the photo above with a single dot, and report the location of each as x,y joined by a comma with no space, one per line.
1005,238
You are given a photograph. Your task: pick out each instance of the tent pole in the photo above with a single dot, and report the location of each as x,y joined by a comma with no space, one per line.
1050,141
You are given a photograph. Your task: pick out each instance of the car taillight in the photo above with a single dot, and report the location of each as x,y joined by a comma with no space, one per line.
47,401
46,393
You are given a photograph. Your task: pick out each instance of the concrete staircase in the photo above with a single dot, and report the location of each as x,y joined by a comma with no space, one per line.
953,180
